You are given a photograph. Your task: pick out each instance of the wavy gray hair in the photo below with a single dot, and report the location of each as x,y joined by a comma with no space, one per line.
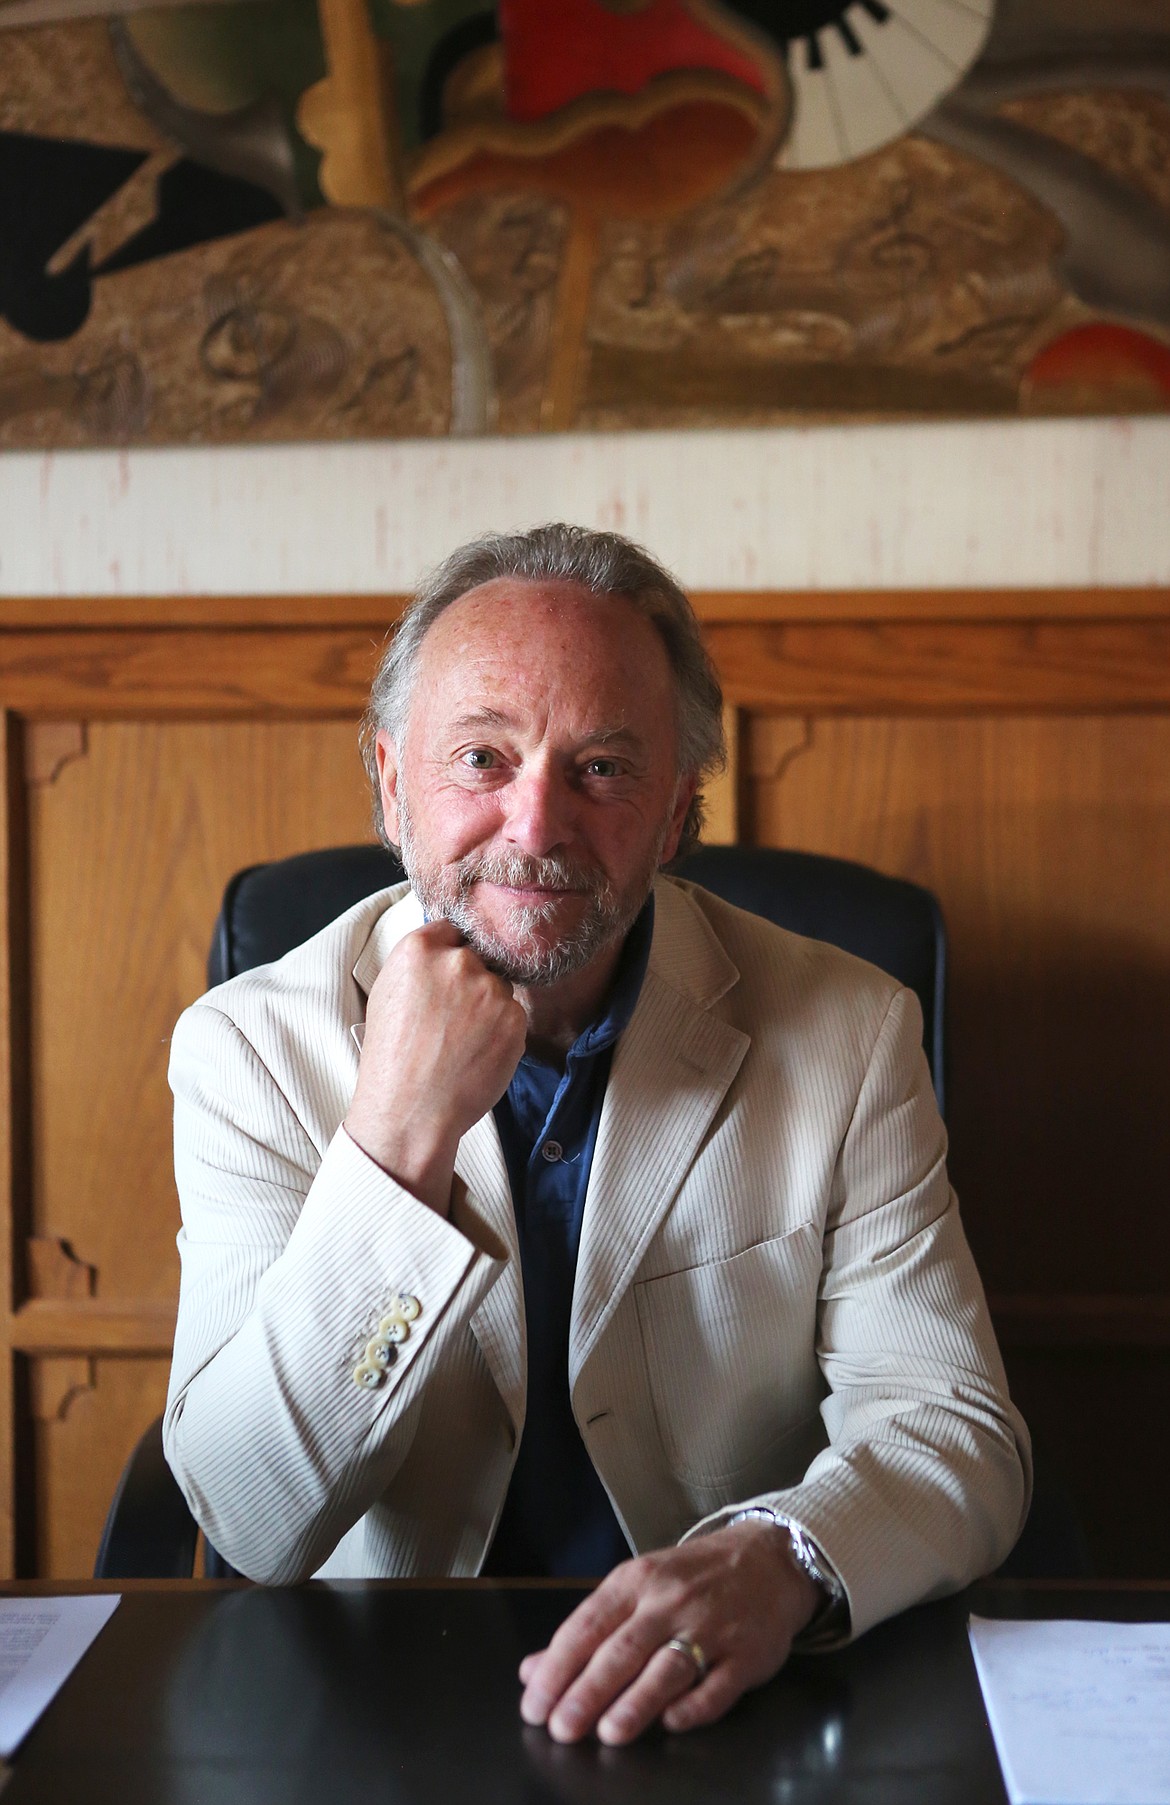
606,565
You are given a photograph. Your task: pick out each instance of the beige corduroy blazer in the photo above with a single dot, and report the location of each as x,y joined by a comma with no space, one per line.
774,1297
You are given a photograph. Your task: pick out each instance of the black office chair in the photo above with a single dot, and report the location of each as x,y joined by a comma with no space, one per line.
270,908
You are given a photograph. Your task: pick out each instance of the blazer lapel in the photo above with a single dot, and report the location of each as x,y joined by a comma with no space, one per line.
671,1071
400,914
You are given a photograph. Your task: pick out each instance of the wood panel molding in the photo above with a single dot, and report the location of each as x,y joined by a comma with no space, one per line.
182,673
1064,651
49,746
54,1270
908,667
14,1107
788,740
952,605
56,1384
135,1328
378,612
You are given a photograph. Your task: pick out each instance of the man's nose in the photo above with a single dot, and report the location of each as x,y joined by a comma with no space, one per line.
541,810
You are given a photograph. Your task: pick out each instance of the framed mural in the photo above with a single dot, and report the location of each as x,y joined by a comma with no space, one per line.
247,220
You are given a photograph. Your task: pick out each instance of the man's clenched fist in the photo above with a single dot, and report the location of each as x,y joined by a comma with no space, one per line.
443,1038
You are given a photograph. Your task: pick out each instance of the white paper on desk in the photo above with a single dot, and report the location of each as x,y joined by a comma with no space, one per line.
41,1642
1080,1712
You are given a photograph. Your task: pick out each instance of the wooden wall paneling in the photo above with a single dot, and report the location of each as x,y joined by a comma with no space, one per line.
377,612
1047,840
156,815
722,795
131,841
88,1412
14,1139
187,673
1003,745
216,656
875,667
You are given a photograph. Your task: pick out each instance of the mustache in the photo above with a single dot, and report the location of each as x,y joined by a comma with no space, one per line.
521,870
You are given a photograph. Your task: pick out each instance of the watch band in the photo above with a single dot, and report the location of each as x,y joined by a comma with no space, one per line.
808,1557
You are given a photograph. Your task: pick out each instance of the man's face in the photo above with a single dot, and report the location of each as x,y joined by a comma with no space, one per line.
536,791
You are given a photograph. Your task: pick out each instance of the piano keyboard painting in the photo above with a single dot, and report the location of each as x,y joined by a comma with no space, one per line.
864,74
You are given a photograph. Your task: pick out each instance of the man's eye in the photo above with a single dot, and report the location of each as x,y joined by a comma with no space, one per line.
602,767
480,759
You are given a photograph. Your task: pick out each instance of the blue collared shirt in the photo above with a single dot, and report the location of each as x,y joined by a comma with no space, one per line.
557,1519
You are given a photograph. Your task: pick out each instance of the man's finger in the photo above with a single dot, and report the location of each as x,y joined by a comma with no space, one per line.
573,1646
615,1667
668,1676
708,1701
442,932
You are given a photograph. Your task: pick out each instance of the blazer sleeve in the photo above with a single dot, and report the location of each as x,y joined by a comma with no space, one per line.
925,1483
289,1258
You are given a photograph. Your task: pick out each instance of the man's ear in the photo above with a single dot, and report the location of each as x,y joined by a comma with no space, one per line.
386,753
683,798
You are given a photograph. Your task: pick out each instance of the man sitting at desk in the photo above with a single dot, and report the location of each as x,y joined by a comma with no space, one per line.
549,1208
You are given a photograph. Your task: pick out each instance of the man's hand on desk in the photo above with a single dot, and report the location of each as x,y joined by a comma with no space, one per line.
737,1594
443,1037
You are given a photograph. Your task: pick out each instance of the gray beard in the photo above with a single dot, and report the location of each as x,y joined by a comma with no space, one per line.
522,958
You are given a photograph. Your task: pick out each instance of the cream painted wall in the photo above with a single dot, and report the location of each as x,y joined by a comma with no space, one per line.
1002,503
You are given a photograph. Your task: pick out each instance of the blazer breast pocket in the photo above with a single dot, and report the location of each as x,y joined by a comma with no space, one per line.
731,1361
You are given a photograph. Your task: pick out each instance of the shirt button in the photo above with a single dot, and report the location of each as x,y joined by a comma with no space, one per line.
552,1152
408,1308
367,1377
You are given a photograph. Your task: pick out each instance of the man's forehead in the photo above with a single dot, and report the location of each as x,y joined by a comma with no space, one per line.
536,623
520,598
511,646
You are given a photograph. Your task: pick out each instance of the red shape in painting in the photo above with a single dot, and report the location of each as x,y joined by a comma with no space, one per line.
558,53
1103,356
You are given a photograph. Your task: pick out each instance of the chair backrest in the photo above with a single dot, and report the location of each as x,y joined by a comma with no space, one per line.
268,909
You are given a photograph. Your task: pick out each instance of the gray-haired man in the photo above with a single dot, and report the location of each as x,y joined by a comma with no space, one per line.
629,1229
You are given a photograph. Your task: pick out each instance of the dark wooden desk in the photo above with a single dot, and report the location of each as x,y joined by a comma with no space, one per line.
213,1695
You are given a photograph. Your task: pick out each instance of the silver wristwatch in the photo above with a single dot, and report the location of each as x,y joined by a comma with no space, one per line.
809,1558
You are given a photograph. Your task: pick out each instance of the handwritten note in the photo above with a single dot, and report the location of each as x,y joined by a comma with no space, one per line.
1080,1711
41,1642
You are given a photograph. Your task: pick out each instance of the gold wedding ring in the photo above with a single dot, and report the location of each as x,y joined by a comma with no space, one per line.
684,1645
